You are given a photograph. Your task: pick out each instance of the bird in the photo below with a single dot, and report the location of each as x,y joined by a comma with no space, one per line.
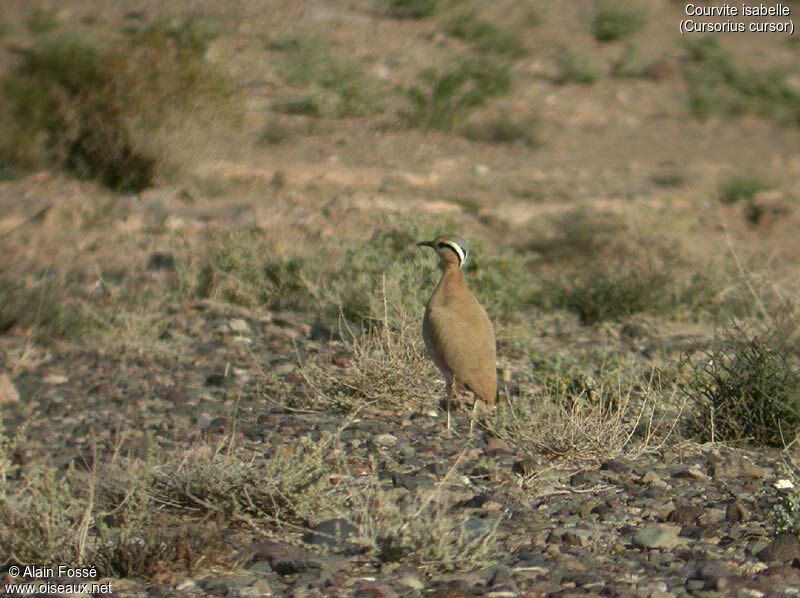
458,335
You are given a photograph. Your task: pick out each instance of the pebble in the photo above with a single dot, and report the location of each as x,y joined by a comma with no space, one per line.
385,440
784,548
658,536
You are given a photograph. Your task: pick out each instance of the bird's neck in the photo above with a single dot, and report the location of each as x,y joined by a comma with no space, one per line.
452,280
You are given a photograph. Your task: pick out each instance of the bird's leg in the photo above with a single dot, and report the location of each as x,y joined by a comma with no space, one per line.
448,391
474,415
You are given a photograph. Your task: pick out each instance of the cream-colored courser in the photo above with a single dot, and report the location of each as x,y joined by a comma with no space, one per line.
458,334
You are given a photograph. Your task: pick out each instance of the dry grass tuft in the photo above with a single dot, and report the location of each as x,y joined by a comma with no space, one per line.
429,531
289,486
591,418
381,365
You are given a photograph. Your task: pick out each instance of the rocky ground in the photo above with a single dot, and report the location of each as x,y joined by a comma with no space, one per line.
681,520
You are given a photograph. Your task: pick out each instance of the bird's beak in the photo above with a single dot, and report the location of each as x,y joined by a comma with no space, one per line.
425,244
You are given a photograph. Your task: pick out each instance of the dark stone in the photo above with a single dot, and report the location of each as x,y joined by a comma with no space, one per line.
785,548
524,466
735,512
218,380
583,478
217,425
685,515
476,502
709,571
616,466
411,481
295,566
160,260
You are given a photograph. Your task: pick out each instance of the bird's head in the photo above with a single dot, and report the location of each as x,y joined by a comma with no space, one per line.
450,249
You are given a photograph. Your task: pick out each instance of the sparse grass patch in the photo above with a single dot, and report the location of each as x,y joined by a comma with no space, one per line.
139,520
504,128
382,364
237,270
382,277
589,413
534,16
720,87
315,105
42,20
275,132
444,98
575,66
145,552
615,20
580,234
416,9
614,289
501,280
388,272
746,387
425,529
42,523
741,187
484,35
436,537
629,63
334,87
289,486
44,308
92,109
746,188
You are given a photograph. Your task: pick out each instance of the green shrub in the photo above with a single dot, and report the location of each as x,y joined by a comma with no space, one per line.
191,33
629,64
614,290
534,17
91,109
717,86
443,98
388,267
746,387
501,280
580,235
413,9
275,132
389,270
503,128
486,36
42,21
65,113
43,308
334,87
238,270
304,105
615,21
741,187
786,512
575,66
